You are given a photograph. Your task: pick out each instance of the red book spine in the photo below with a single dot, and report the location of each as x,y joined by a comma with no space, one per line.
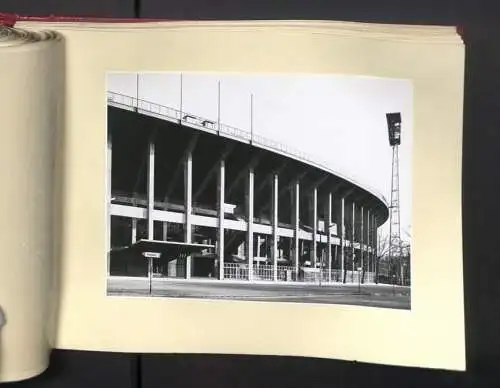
7,19
10,20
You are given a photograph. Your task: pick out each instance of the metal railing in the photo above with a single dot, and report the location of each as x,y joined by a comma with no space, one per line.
204,123
235,271
321,276
263,272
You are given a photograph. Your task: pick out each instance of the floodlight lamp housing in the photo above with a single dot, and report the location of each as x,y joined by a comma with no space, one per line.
394,127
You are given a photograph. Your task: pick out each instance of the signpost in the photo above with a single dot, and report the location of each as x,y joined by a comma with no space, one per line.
150,256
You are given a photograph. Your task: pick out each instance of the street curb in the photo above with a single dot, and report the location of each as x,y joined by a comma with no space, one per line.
237,297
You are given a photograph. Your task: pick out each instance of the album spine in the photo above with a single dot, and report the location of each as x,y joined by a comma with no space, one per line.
9,20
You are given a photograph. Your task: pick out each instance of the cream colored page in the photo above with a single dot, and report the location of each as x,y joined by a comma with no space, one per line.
430,335
29,72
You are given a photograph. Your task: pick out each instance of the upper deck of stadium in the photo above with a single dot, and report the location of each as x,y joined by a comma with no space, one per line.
241,146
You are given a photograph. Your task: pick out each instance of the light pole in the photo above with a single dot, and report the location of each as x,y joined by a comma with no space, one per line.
321,262
330,259
251,118
150,273
180,98
394,132
320,269
137,91
218,107
359,280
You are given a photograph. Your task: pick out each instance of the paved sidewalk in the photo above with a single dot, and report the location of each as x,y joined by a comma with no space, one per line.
367,295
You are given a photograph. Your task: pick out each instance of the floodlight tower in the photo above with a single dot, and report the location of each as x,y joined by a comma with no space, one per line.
394,127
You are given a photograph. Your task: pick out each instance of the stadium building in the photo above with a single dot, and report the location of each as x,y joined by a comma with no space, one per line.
250,208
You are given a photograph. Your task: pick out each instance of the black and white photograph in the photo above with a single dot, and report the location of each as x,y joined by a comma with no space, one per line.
292,188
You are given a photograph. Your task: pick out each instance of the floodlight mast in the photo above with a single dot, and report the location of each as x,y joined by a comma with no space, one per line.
394,128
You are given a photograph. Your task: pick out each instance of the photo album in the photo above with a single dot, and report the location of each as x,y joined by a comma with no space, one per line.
270,187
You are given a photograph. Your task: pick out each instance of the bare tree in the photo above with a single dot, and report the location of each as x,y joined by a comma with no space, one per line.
396,268
382,250
405,263
353,261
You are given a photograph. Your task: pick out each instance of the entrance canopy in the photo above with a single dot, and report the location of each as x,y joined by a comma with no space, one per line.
168,248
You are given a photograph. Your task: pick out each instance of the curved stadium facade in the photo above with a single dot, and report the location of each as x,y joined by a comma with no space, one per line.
263,211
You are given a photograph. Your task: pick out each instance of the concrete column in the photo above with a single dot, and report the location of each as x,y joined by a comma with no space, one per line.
342,237
374,248
314,211
368,241
362,238
329,231
301,246
108,199
374,243
164,234
353,234
335,255
274,252
296,220
220,217
250,216
134,230
258,246
188,206
151,189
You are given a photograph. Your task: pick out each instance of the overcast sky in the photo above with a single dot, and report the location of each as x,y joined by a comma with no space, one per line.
338,119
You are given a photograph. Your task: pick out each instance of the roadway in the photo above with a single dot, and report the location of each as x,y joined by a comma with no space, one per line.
368,295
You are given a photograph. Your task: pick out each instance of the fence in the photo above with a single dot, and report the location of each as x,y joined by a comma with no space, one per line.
265,272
